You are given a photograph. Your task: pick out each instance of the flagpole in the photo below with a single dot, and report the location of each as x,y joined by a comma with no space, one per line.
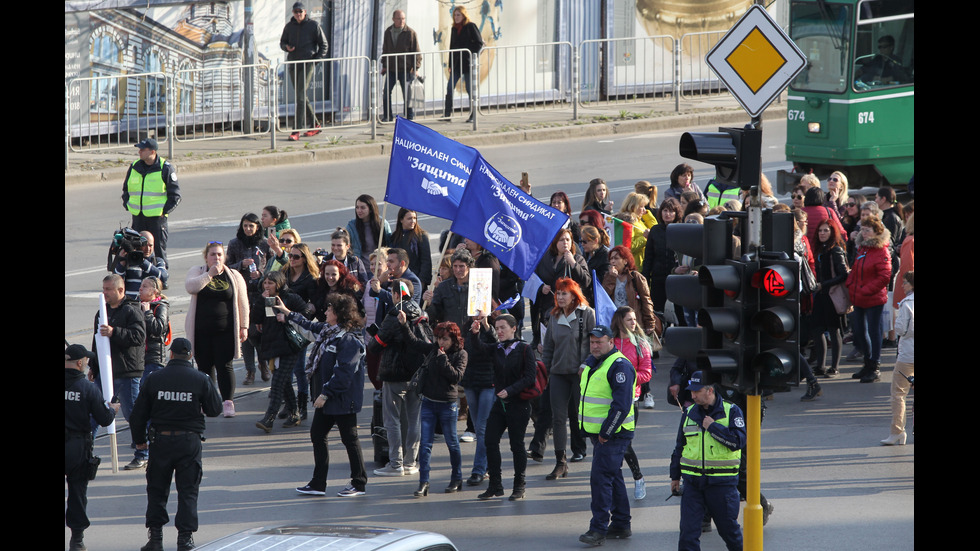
442,253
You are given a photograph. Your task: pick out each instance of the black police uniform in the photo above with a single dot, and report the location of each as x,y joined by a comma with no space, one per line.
82,399
172,400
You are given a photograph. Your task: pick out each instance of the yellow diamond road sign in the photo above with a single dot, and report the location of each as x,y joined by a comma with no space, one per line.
756,60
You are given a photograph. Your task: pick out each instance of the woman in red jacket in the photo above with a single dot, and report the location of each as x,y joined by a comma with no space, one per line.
867,285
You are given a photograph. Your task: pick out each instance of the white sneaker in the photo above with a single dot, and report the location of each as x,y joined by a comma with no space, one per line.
228,408
467,437
388,470
411,469
648,402
640,488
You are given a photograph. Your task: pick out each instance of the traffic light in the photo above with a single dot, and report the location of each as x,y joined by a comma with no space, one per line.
722,296
777,322
736,153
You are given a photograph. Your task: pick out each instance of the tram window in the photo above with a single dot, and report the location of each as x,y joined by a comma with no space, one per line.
884,53
822,31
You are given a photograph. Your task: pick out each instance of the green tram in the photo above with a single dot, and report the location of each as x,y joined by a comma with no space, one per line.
852,108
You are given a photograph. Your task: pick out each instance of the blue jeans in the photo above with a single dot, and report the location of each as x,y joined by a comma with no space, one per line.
457,73
127,390
299,369
868,332
445,414
480,400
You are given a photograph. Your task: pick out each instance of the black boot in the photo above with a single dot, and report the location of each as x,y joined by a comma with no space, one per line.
266,423
561,466
454,486
76,543
519,486
864,370
447,111
303,400
185,540
423,489
874,373
812,391
154,541
293,421
495,489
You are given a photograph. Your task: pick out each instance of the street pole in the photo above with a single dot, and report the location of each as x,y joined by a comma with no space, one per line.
752,538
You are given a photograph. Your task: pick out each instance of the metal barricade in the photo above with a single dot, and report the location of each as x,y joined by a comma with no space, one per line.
221,102
415,85
616,71
108,112
696,78
323,93
526,78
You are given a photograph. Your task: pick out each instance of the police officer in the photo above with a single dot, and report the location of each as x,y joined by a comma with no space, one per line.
174,400
606,415
709,447
82,400
150,193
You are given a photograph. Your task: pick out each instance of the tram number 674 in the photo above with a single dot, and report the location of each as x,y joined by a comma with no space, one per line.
866,117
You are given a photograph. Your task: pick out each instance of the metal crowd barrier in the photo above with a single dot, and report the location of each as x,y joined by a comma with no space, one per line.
696,78
108,112
323,93
414,85
221,102
121,110
614,71
525,78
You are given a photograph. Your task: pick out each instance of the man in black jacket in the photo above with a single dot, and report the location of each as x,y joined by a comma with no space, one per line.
174,401
83,402
303,40
126,331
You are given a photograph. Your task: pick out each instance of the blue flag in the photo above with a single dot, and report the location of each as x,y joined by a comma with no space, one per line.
509,303
515,227
427,171
604,306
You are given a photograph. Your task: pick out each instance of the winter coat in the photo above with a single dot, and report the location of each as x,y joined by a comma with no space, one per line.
566,342
637,298
128,341
905,329
467,38
157,321
272,338
399,361
867,284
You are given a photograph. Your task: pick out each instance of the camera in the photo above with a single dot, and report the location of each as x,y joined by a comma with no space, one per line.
129,241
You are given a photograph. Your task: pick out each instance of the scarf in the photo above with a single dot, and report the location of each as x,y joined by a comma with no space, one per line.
329,333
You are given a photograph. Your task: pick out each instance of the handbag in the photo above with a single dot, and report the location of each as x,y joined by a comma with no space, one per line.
838,295
418,379
296,341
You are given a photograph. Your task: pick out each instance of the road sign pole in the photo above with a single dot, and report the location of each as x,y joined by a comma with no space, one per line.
752,535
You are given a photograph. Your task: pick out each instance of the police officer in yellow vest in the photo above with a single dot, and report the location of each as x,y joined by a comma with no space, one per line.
606,415
709,446
150,193
718,193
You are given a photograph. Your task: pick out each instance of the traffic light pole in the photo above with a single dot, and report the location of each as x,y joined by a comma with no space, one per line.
752,538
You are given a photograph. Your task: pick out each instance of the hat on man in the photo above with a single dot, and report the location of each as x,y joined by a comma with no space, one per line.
147,143
76,352
601,331
299,6
180,346
696,382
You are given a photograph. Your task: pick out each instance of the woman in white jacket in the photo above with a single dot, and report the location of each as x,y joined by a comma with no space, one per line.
905,364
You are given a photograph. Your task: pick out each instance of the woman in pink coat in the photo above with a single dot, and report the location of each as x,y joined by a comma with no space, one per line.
867,286
632,343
